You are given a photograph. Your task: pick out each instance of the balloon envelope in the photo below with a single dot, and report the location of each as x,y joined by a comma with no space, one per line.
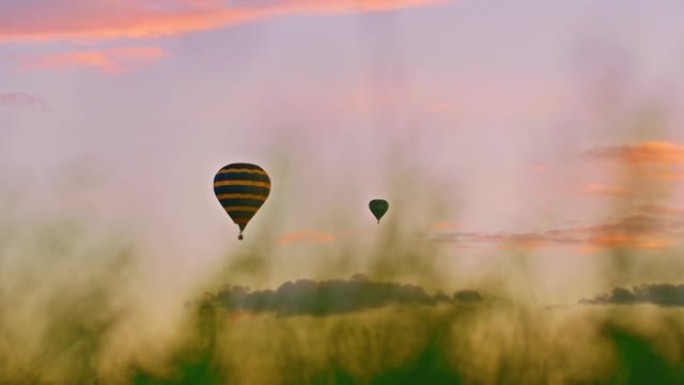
241,188
378,207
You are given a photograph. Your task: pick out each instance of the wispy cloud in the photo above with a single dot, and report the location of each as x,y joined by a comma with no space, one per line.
441,226
538,166
650,228
657,160
624,240
307,236
86,19
531,240
22,99
111,60
605,190
657,152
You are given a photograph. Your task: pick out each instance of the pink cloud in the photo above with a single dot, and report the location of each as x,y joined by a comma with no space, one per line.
111,60
107,19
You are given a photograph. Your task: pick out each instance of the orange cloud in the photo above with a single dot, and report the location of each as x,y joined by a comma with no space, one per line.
112,60
605,190
654,152
631,241
23,99
654,160
538,166
443,226
307,236
654,227
86,19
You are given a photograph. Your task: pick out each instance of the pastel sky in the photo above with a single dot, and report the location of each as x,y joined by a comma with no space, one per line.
531,119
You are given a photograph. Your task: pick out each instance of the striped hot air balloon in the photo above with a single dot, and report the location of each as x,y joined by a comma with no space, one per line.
241,188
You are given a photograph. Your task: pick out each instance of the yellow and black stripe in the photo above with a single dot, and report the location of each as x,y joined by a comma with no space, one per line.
241,188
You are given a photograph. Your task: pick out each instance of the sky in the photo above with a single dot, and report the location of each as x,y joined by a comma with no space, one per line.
550,126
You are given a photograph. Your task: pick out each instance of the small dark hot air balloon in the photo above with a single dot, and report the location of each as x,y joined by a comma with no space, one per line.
378,207
241,188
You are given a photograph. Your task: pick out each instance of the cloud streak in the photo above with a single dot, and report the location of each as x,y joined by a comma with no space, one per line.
22,99
112,60
652,227
84,19
599,189
657,160
655,152
306,236
443,226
